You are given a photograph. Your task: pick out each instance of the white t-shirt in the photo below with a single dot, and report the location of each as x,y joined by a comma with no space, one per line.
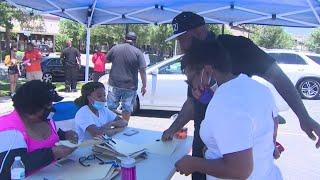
85,117
240,117
11,139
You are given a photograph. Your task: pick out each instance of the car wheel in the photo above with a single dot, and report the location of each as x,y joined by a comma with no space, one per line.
47,77
90,77
309,88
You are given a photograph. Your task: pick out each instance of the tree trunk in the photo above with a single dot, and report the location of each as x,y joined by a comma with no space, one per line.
7,37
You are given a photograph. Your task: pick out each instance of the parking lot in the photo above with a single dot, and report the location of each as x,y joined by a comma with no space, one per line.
299,161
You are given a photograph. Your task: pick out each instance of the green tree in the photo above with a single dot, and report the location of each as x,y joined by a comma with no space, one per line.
313,43
143,33
271,37
153,35
158,36
8,14
74,31
60,42
107,35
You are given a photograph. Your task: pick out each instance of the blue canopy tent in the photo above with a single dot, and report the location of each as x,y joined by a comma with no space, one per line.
91,13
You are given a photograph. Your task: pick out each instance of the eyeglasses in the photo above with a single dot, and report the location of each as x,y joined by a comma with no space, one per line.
83,160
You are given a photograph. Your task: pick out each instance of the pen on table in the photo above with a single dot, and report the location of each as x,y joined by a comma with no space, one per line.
112,141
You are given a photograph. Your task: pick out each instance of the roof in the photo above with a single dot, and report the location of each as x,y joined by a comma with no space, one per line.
295,13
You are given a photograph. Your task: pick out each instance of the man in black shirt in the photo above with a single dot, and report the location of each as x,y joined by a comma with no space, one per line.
247,58
70,58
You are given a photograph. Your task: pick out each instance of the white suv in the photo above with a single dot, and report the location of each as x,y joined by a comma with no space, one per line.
302,71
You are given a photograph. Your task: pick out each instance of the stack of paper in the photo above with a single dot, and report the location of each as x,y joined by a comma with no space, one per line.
120,149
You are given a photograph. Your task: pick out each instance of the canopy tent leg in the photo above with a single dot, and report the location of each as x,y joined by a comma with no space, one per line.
87,55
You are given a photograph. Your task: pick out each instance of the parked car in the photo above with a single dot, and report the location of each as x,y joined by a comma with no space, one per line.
53,70
314,57
44,49
302,71
167,90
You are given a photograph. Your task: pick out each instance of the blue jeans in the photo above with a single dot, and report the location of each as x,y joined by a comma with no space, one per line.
126,97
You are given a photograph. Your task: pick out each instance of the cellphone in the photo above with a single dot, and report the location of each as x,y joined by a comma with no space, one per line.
131,132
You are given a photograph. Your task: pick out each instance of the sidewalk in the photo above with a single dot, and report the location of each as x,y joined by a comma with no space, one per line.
6,102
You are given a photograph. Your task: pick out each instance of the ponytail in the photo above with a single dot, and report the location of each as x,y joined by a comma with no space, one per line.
86,90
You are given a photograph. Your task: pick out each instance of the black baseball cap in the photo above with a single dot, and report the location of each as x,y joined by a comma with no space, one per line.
53,95
184,22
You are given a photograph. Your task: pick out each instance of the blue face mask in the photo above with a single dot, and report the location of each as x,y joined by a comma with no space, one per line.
98,105
206,96
207,93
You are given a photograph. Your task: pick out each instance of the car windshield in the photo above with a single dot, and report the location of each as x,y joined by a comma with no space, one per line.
315,58
163,62
287,58
42,47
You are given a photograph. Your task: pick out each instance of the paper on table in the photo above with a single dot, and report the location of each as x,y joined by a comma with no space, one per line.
126,148
72,171
162,148
80,145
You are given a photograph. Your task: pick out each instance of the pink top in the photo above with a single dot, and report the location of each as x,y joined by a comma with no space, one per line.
99,61
13,121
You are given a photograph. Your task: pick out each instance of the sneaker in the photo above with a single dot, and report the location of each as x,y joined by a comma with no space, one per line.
74,90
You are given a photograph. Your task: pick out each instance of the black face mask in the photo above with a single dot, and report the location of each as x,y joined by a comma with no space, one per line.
46,113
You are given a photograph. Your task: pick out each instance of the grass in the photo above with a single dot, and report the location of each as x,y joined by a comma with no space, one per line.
60,86
5,86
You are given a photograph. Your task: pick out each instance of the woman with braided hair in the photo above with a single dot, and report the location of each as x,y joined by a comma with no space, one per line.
94,118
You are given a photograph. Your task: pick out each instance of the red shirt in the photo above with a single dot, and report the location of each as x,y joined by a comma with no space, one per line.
99,61
35,59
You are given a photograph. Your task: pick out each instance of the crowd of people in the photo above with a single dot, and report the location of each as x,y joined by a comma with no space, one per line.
235,129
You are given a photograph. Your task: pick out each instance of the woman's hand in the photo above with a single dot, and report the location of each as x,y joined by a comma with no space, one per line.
114,131
118,123
276,153
62,151
71,136
185,165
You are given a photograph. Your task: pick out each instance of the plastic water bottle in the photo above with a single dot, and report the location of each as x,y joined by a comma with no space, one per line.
128,169
17,169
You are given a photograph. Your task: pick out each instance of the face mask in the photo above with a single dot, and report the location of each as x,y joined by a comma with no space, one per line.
47,115
98,105
207,93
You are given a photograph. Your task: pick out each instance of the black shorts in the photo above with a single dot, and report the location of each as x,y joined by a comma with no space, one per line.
13,70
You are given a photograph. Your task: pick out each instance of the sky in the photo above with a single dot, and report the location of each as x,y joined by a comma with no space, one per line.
299,31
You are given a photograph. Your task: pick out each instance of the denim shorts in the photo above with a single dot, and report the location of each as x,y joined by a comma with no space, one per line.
126,97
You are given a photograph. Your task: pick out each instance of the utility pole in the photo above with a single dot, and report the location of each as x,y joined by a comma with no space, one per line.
222,29
127,29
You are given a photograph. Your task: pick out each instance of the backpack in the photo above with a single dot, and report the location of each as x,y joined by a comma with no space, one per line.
7,60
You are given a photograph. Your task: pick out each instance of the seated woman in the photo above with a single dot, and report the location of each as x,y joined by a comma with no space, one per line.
27,132
238,127
93,118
